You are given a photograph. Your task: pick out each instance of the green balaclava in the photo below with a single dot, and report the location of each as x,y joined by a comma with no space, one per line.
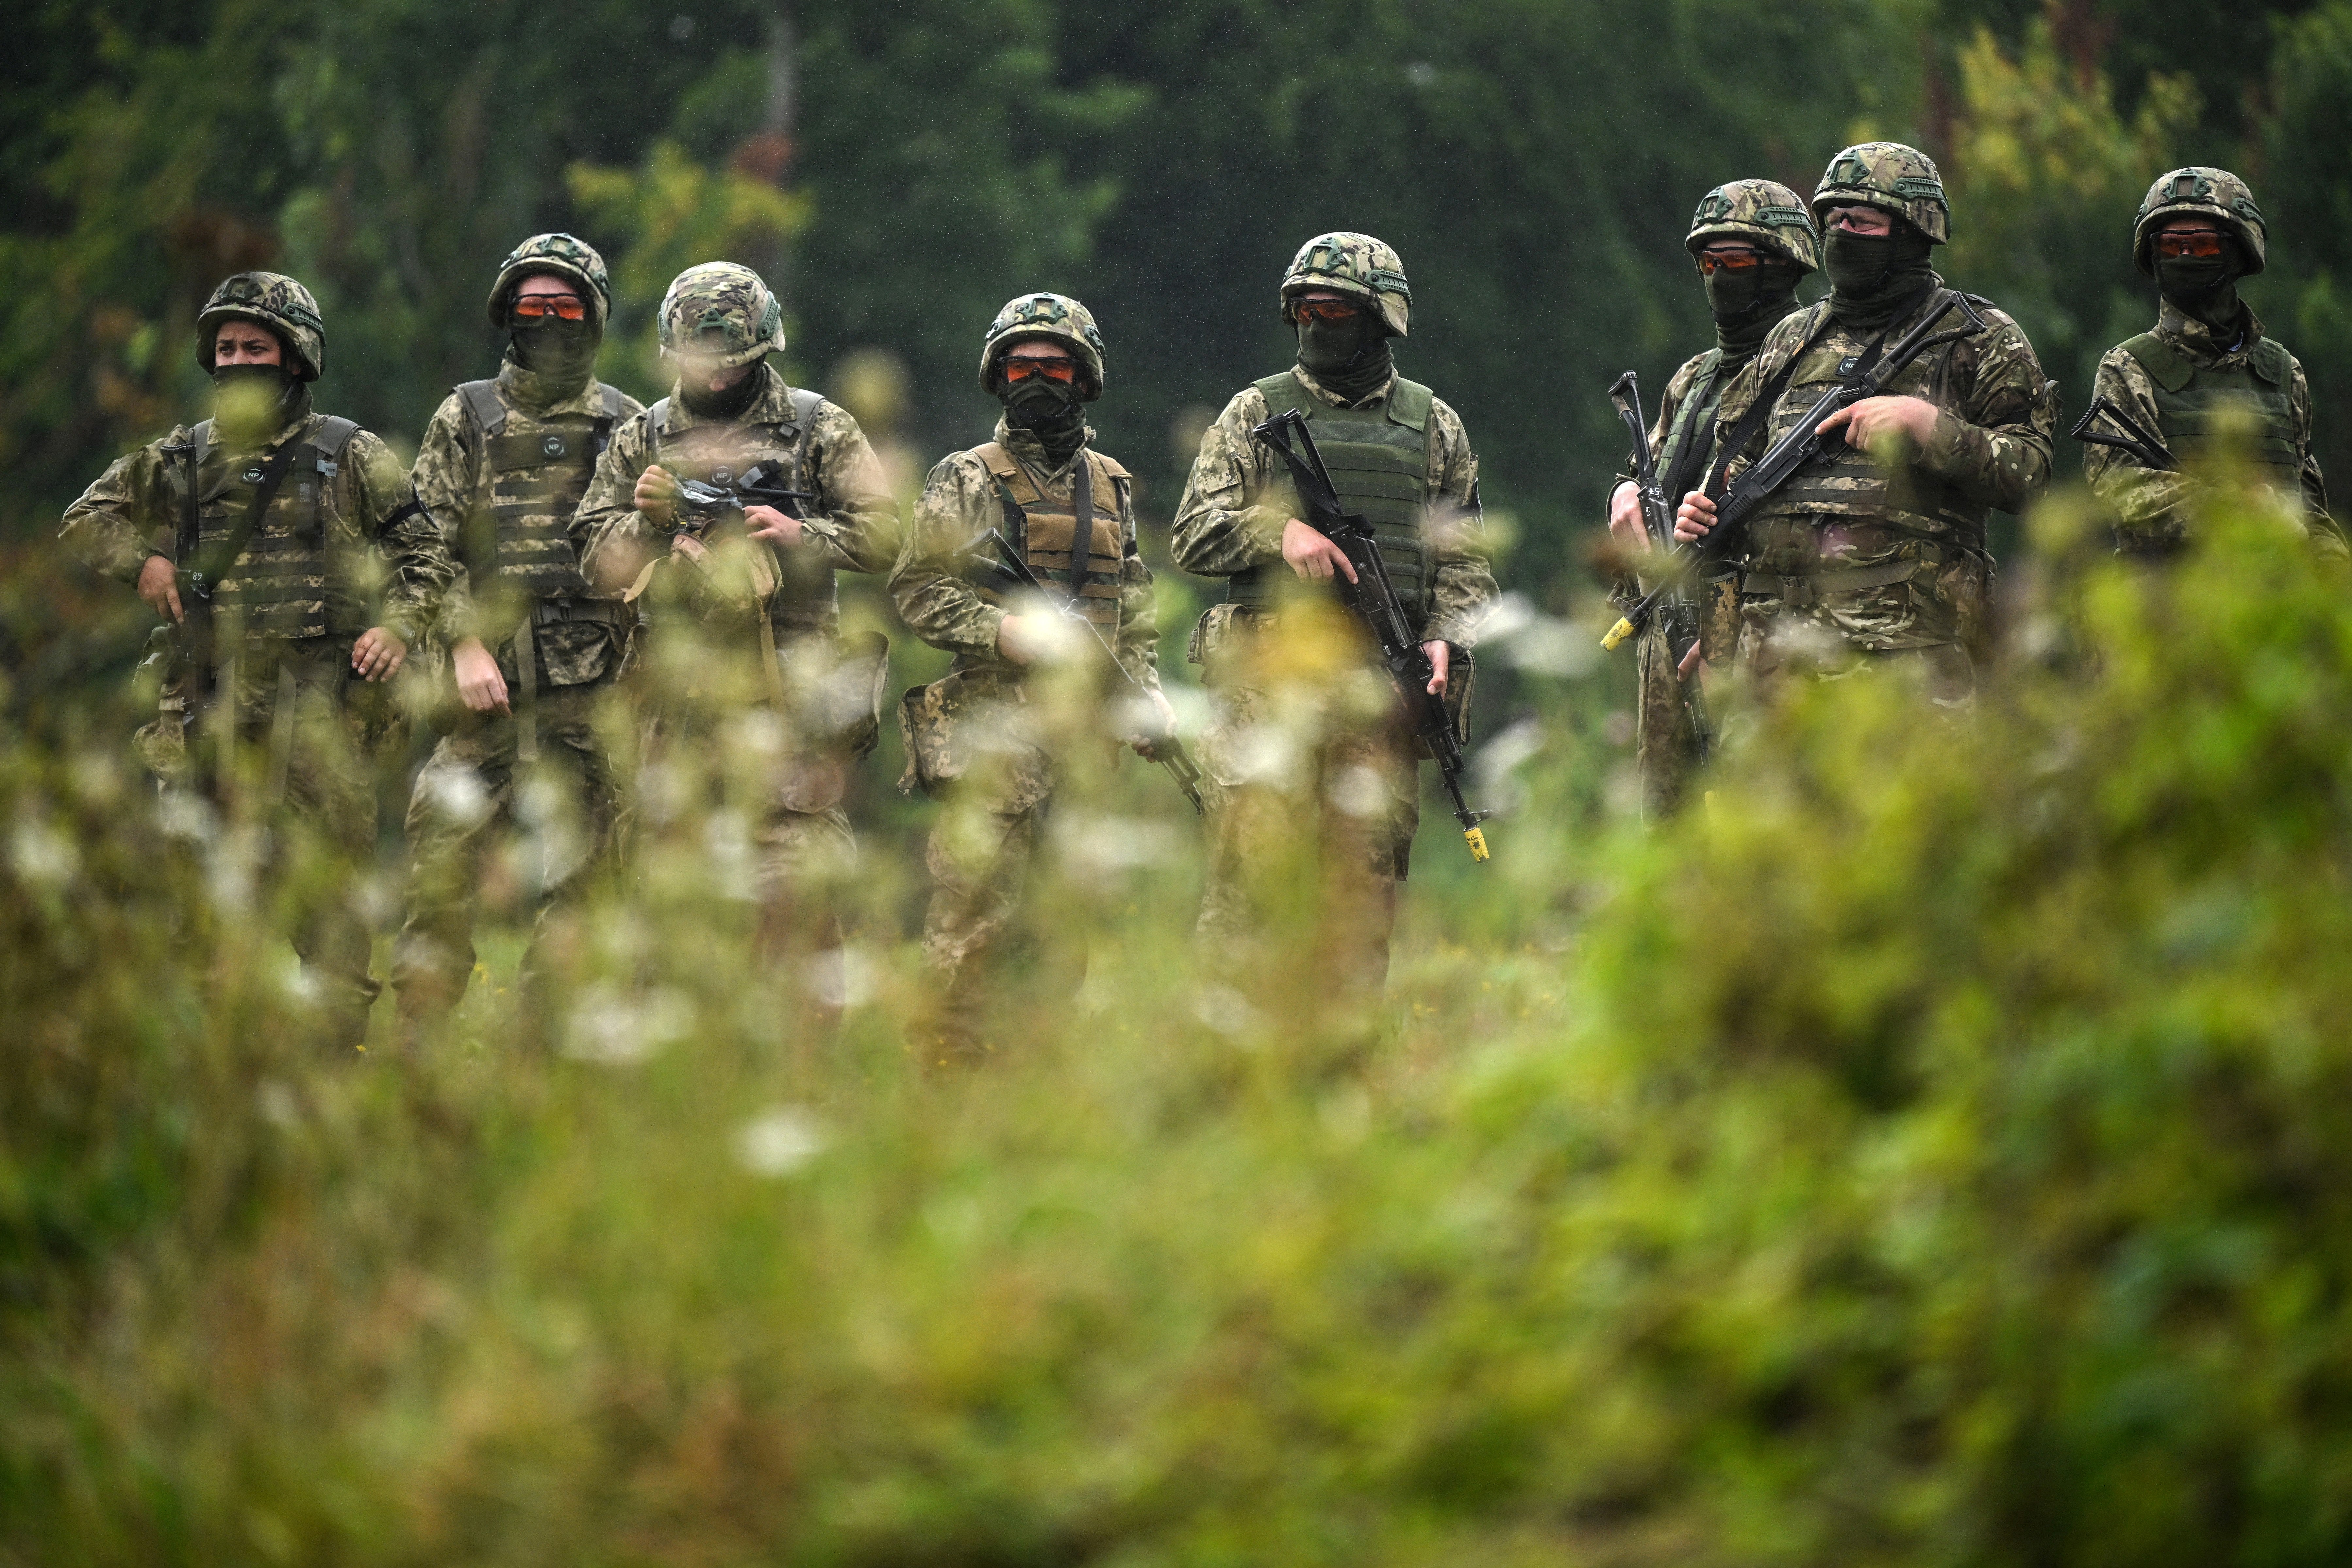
1351,357
2205,286
1874,276
1048,409
560,354
1748,305
731,403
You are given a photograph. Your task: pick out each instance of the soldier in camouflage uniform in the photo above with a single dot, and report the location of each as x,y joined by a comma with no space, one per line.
1317,778
745,619
982,740
1753,241
2198,232
1876,552
292,595
533,651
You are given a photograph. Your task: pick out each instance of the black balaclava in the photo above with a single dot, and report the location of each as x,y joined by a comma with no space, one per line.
254,402
2205,286
1873,276
1351,357
1750,304
1048,409
730,403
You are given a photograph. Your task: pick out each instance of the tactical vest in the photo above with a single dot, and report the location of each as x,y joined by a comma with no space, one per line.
540,467
1850,485
720,455
1689,437
2191,400
284,582
1045,531
1379,461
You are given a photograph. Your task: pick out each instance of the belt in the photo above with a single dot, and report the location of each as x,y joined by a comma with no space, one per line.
1799,591
607,612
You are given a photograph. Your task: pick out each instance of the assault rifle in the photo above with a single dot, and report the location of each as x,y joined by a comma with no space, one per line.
1678,614
1866,376
2134,438
991,560
702,505
1374,598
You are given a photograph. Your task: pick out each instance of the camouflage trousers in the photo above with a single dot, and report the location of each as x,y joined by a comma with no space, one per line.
1775,645
1309,828
302,764
1666,741
470,791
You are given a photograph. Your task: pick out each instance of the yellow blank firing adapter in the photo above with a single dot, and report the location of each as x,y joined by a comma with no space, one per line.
1617,634
1476,838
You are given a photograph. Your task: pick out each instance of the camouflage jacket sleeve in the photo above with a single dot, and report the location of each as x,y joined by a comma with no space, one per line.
958,504
608,522
2324,531
1138,605
1462,589
446,477
415,555
1222,524
1998,427
125,516
858,527
2146,501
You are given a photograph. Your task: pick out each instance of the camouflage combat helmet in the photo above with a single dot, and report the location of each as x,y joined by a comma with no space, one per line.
1760,211
1354,263
278,302
1054,316
722,312
1892,177
2213,192
563,255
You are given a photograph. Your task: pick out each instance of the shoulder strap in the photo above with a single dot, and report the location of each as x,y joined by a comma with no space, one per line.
1680,465
615,401
1410,403
996,459
1122,485
1110,467
212,569
482,401
199,447
2166,365
2272,361
805,407
335,433
1761,410
1283,394
657,429
601,434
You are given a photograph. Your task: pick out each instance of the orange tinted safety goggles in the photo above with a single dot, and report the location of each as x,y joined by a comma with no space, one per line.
2202,242
1709,262
1059,368
540,307
1323,310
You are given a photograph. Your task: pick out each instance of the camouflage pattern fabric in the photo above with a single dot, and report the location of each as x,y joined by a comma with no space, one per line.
278,302
464,798
1055,316
454,479
1315,802
1354,263
2200,191
1991,446
720,313
116,523
1238,498
2148,501
1892,177
960,502
1762,211
565,257
973,743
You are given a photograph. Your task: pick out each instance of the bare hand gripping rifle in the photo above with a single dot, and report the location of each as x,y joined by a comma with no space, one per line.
991,560
1374,598
1794,452
1677,610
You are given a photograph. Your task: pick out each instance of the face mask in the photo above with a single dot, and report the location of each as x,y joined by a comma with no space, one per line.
2201,285
1329,348
250,398
558,349
1856,263
1748,304
724,405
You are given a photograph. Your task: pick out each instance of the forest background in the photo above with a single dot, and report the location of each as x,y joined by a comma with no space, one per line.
1936,1151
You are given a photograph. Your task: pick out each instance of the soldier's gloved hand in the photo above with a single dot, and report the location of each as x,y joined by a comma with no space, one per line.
1625,517
1694,518
779,528
655,497
1874,420
159,584
480,686
378,655
1311,555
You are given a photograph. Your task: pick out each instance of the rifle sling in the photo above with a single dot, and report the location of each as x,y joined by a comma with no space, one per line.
210,570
